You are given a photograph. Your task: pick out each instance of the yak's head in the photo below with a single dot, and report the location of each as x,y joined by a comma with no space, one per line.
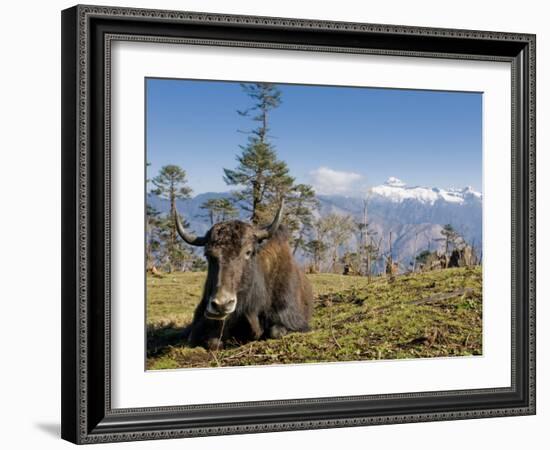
229,248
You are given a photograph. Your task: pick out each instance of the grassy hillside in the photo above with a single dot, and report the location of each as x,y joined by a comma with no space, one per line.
422,315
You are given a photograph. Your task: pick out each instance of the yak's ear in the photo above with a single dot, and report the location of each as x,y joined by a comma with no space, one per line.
270,230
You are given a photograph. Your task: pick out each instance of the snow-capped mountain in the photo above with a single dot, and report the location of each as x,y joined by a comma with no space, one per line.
394,202
414,215
397,191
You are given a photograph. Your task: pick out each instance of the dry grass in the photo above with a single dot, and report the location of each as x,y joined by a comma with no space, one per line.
416,316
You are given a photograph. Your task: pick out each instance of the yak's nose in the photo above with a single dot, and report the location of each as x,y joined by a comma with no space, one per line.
223,305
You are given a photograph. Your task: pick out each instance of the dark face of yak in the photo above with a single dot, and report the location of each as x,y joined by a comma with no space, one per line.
229,248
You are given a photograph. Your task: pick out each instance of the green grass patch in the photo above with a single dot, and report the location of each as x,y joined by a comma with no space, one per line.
424,315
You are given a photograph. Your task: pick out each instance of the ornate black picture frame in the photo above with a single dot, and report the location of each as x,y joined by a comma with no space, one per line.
87,33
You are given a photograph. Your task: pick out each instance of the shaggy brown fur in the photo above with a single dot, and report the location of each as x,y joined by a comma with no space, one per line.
273,296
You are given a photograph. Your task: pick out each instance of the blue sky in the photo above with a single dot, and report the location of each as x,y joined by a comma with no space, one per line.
340,139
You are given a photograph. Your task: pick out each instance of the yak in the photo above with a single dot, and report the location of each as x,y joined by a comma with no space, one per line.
254,289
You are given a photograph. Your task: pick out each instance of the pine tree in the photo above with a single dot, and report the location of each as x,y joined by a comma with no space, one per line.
265,179
451,238
317,250
171,184
299,214
152,221
219,210
173,257
153,243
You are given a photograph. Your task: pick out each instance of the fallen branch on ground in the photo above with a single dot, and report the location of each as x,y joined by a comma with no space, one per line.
425,300
432,299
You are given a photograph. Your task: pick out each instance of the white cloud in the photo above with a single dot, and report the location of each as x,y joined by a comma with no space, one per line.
329,181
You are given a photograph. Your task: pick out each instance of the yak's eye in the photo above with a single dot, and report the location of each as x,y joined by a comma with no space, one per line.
248,253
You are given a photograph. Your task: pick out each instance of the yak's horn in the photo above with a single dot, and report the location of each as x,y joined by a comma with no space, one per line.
270,230
190,238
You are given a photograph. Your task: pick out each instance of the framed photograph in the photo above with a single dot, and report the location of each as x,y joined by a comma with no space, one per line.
280,224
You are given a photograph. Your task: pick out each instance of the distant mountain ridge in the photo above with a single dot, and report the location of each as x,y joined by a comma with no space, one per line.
397,191
414,215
